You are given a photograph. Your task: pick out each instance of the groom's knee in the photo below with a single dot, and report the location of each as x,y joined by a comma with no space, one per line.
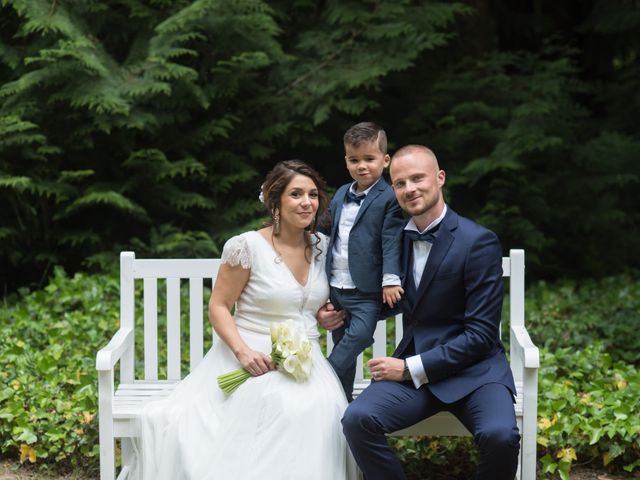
499,440
358,419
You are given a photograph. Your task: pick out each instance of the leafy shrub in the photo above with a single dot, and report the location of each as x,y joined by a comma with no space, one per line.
571,314
48,401
587,410
48,404
449,458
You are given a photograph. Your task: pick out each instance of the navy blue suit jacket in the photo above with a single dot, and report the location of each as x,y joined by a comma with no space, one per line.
374,246
452,319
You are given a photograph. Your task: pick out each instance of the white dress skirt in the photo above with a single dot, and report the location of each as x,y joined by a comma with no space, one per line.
271,427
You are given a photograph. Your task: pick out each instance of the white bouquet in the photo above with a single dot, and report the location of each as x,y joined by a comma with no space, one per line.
290,351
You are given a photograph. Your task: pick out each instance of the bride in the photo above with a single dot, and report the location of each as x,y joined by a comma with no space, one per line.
271,427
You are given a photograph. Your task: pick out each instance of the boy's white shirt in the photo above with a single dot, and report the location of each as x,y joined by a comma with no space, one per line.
340,275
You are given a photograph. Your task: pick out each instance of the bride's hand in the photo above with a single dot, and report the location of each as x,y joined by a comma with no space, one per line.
329,318
256,363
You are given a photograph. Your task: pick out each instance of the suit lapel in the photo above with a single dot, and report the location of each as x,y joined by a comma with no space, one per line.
407,257
438,252
338,201
371,196
407,281
409,297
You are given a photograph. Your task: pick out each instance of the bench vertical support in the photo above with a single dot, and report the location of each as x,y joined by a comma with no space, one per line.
529,424
127,313
516,306
105,425
528,376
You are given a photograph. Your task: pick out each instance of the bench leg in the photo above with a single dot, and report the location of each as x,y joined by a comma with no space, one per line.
529,424
105,426
519,471
129,457
107,459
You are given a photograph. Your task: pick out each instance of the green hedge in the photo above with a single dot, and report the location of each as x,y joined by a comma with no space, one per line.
588,410
574,314
48,402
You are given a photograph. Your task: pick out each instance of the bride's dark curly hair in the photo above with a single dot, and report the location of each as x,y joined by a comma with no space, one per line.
276,182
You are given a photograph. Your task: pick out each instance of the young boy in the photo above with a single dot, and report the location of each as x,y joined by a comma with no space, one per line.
363,258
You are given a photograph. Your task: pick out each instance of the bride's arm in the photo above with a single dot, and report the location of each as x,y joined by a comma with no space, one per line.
229,284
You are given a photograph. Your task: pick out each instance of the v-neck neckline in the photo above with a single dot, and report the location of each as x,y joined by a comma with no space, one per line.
271,247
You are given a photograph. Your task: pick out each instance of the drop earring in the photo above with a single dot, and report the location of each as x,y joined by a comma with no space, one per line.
276,221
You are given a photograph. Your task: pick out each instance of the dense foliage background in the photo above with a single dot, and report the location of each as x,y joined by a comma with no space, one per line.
147,124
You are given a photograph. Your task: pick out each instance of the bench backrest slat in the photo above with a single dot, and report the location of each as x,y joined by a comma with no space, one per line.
506,266
150,328
196,337
399,330
173,329
380,340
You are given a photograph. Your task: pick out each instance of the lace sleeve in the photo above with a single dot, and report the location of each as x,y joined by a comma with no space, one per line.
236,252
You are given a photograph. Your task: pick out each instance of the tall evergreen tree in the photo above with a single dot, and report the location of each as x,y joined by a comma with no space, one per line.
143,124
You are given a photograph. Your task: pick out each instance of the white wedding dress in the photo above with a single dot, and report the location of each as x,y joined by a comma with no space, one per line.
271,427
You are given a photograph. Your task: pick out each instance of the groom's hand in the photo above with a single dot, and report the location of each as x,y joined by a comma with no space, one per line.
329,318
386,368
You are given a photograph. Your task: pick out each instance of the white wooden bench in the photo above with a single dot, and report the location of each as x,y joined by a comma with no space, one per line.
120,400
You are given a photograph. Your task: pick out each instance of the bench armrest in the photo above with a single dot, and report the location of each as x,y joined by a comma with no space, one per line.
524,347
109,355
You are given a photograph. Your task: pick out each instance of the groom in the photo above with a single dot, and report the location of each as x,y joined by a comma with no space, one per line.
450,356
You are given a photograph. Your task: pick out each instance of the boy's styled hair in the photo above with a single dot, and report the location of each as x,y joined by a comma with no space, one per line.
366,132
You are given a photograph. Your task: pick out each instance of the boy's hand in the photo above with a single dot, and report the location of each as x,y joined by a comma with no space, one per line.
391,294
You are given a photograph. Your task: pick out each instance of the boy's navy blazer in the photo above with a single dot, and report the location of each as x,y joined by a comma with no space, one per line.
374,246
452,319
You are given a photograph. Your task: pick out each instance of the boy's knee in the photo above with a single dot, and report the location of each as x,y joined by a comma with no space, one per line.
363,341
353,342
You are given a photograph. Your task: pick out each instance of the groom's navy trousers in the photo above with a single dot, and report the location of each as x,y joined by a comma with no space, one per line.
385,407
452,321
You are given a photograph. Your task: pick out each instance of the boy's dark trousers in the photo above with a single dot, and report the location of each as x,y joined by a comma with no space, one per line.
363,312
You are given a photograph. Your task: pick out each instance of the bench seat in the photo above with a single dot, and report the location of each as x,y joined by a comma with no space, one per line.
130,398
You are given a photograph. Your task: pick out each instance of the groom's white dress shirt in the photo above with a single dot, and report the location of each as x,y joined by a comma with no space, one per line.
421,250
